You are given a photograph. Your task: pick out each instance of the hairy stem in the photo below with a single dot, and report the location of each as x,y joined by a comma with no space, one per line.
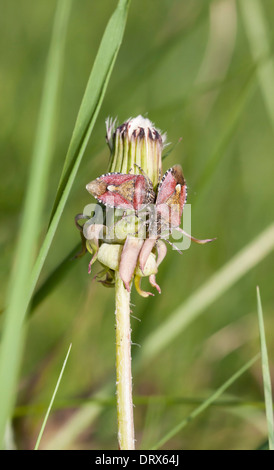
123,367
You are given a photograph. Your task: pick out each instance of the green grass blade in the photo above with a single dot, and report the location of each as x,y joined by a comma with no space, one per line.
52,401
89,110
260,45
93,96
266,375
63,267
206,403
12,338
80,420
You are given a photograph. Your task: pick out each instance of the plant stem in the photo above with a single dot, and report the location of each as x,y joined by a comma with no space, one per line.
123,367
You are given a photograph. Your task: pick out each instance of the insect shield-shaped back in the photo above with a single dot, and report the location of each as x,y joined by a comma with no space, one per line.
122,191
171,198
168,209
169,205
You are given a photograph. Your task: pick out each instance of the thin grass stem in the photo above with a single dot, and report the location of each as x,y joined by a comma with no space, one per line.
52,401
206,403
266,375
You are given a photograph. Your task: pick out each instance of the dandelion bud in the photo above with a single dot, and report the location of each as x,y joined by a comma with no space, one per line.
136,142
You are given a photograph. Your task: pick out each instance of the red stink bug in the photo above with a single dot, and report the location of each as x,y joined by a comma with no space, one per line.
170,201
171,198
122,191
169,205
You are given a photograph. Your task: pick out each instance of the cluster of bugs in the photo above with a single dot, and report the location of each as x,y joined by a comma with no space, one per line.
134,193
160,212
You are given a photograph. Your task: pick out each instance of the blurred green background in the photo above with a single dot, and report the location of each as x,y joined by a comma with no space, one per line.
191,67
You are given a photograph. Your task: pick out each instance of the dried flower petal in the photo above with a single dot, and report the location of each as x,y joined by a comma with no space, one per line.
137,282
145,251
152,280
94,232
129,259
161,251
